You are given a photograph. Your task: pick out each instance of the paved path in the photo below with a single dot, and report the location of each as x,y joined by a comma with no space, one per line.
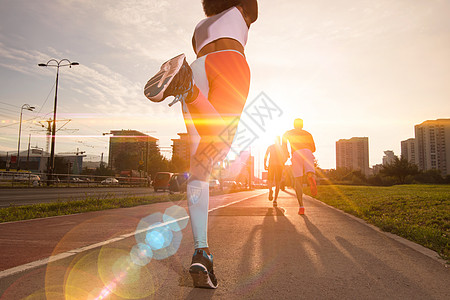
260,253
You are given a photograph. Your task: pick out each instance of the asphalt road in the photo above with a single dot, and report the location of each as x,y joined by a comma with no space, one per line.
26,196
260,252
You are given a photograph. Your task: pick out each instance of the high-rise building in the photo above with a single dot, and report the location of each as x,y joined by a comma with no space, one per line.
353,154
389,157
432,145
408,150
181,148
132,146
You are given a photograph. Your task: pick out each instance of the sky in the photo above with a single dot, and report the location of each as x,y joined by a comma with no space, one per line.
347,68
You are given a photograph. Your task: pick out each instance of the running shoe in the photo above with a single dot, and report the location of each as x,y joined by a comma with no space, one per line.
275,203
201,270
301,211
270,195
173,79
312,185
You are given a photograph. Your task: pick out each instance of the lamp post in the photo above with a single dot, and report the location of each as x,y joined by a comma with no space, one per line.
30,108
54,63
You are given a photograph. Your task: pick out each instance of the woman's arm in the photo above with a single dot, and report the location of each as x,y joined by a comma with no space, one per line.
249,11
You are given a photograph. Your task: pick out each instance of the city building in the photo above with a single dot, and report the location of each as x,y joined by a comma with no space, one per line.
432,145
180,147
353,154
376,169
408,150
35,160
133,144
388,158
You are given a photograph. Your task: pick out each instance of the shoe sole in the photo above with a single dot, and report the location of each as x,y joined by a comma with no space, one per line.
157,85
201,277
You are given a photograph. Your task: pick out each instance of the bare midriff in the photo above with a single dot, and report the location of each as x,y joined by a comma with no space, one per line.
221,45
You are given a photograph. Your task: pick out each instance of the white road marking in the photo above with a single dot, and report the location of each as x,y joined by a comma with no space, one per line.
43,262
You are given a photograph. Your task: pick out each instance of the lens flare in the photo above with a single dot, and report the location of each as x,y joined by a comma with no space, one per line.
122,277
141,254
146,224
159,237
81,277
176,218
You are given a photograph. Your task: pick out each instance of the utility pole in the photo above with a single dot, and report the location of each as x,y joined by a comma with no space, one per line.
30,108
28,152
57,64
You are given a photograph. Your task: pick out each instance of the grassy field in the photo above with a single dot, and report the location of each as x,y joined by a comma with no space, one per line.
420,213
17,213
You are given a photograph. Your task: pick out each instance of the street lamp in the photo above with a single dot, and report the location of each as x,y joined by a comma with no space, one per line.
30,108
54,63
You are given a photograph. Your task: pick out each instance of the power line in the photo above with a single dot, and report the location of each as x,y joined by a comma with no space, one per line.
9,104
8,109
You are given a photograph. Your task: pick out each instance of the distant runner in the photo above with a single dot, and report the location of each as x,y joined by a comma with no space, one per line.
302,158
275,168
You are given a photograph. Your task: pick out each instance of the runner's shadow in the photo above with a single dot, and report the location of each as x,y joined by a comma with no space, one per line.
197,293
376,269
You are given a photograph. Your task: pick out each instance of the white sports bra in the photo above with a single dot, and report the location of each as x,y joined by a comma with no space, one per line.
228,24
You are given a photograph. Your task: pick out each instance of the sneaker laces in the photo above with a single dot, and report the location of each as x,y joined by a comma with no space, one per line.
182,87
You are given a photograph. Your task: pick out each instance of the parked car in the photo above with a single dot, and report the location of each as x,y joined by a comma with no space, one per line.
161,181
20,176
110,181
178,182
230,185
214,184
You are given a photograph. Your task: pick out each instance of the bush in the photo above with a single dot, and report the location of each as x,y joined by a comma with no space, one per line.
430,176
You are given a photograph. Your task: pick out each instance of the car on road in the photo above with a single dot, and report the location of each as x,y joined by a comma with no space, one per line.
214,184
161,181
20,177
230,185
110,181
178,182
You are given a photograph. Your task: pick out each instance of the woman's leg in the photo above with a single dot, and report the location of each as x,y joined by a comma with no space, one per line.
225,78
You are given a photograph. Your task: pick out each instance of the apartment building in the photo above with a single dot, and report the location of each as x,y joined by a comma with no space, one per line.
432,145
353,154
132,143
180,147
409,150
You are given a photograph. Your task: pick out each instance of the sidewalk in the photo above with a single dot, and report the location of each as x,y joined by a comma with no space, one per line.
260,252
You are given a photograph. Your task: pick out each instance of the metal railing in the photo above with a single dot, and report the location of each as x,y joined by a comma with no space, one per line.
28,179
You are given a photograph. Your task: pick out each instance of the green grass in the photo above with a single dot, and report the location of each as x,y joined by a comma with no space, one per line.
17,213
420,213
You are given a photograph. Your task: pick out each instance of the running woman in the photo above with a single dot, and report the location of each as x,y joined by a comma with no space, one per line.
302,158
275,168
212,91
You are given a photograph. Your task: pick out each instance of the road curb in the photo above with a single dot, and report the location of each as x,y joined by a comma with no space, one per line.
419,248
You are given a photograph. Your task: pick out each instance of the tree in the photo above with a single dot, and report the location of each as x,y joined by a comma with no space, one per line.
430,176
400,169
102,170
179,165
157,163
126,161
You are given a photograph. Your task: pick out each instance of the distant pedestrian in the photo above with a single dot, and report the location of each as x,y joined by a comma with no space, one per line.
275,168
302,158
